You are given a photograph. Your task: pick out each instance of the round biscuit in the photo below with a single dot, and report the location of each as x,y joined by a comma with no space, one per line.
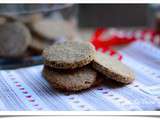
39,45
69,54
112,68
53,29
75,80
14,39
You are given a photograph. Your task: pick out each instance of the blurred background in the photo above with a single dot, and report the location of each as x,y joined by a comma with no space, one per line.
118,15
91,15
50,23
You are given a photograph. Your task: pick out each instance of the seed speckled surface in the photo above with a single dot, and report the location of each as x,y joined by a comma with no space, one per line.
69,54
74,80
112,68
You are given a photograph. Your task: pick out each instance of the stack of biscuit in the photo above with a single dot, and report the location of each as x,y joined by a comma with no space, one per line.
66,66
73,66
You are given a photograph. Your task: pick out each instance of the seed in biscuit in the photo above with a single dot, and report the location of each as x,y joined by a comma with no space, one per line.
74,80
14,39
112,68
69,55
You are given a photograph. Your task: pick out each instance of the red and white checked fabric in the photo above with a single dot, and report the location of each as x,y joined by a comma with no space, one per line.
105,39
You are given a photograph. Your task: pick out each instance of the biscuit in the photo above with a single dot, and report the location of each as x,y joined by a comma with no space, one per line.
2,20
30,18
53,29
7,18
39,45
69,54
71,80
14,39
112,68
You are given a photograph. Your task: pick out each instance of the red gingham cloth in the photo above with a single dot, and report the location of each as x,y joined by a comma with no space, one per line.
104,38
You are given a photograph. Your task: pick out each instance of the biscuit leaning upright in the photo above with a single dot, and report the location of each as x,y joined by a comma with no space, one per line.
69,55
112,68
